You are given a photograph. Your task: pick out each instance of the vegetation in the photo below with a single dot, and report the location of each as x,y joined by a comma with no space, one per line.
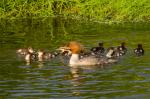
102,10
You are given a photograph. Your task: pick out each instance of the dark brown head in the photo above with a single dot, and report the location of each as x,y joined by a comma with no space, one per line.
123,44
139,45
100,44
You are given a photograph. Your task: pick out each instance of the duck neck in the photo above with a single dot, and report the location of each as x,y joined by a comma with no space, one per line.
74,59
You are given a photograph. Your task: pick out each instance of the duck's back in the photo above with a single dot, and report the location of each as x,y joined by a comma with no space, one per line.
90,60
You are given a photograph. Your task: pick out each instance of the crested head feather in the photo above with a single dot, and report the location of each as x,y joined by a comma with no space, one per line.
75,47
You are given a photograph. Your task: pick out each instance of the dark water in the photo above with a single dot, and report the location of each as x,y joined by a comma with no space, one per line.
128,79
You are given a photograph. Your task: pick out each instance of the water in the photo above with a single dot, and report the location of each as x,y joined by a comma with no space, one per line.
128,79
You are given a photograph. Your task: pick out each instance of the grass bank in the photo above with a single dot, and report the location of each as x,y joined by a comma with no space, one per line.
102,10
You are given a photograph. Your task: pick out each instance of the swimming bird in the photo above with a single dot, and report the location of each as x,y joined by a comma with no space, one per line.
76,48
29,57
139,51
122,49
98,50
24,51
65,51
42,55
111,52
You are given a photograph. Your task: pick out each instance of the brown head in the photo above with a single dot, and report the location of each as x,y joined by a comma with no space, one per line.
75,47
123,44
30,49
100,44
139,45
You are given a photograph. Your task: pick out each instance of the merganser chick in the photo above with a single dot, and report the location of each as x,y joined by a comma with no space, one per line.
75,48
98,50
65,51
28,58
40,55
45,56
139,51
110,52
24,51
113,52
122,49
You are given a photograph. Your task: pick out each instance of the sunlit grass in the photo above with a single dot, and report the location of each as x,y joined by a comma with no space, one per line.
102,10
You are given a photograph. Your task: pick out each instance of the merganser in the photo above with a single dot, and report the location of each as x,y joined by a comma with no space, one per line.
65,51
111,52
139,51
24,51
42,55
98,50
75,48
122,49
29,57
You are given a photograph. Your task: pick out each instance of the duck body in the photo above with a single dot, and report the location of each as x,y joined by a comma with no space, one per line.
139,51
90,60
42,55
24,51
122,50
98,50
84,61
29,57
112,52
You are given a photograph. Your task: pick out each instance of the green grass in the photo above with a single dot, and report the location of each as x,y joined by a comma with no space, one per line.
101,10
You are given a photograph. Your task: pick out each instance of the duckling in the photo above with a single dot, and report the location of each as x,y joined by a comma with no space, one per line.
24,51
54,54
64,51
42,55
28,58
110,52
122,49
139,51
98,50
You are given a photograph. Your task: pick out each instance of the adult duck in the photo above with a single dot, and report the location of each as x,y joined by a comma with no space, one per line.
75,48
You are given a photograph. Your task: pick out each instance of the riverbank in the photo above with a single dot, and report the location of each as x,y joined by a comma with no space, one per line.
104,10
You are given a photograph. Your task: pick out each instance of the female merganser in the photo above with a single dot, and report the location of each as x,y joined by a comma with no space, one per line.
122,49
75,48
139,51
98,50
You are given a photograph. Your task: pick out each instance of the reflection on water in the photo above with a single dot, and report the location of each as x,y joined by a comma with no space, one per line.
129,78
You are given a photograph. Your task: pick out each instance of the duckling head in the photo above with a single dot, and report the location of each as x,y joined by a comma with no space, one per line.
30,49
100,44
139,45
123,44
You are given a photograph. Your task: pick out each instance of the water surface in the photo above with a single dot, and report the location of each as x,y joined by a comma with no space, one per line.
128,79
